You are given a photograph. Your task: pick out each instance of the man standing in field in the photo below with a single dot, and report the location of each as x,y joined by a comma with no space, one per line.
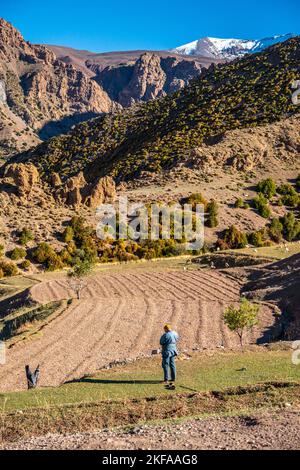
169,352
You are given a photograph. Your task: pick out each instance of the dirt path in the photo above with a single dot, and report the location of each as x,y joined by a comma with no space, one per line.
276,430
120,316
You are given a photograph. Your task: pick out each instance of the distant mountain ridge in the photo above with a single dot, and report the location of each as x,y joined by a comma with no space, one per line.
228,49
45,90
133,76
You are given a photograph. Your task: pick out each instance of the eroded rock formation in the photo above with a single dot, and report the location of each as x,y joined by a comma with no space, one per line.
24,176
76,191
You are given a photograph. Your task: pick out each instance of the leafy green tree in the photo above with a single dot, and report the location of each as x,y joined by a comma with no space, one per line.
234,238
212,214
260,203
242,318
275,230
256,239
291,227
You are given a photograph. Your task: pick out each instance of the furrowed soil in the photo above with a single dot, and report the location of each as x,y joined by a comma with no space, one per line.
120,316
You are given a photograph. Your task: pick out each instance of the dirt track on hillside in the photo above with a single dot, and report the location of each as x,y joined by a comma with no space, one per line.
120,316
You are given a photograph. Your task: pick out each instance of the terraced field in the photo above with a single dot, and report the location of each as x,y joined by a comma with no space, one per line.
121,316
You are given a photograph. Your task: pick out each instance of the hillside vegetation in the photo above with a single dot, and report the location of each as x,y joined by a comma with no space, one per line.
245,93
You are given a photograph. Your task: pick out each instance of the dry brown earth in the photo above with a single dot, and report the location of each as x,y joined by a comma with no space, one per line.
120,316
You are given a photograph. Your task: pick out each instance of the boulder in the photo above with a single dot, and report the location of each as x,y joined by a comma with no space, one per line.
24,175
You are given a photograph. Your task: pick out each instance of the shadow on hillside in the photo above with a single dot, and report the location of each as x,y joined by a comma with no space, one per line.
64,125
106,381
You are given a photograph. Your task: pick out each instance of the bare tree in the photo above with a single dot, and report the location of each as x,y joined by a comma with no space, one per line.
77,276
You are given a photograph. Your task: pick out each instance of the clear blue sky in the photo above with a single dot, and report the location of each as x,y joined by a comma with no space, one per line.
137,24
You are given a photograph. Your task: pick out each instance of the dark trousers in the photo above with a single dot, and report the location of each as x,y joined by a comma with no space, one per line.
168,363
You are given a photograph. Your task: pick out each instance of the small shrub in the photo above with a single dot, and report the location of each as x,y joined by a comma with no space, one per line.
65,256
9,269
25,236
42,252
45,254
68,234
195,199
291,200
285,189
267,187
239,203
54,263
18,253
25,264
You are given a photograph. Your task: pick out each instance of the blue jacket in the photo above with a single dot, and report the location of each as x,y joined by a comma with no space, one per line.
168,342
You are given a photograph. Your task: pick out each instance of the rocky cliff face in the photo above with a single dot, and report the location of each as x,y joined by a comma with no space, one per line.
151,76
40,94
21,182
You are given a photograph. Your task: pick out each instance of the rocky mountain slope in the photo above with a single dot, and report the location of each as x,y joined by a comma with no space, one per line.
279,283
130,77
149,77
159,134
228,49
40,95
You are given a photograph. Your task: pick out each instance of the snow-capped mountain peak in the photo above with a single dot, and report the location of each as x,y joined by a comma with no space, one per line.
228,49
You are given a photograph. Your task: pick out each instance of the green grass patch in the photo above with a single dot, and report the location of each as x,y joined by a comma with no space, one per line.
218,384
276,251
137,380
